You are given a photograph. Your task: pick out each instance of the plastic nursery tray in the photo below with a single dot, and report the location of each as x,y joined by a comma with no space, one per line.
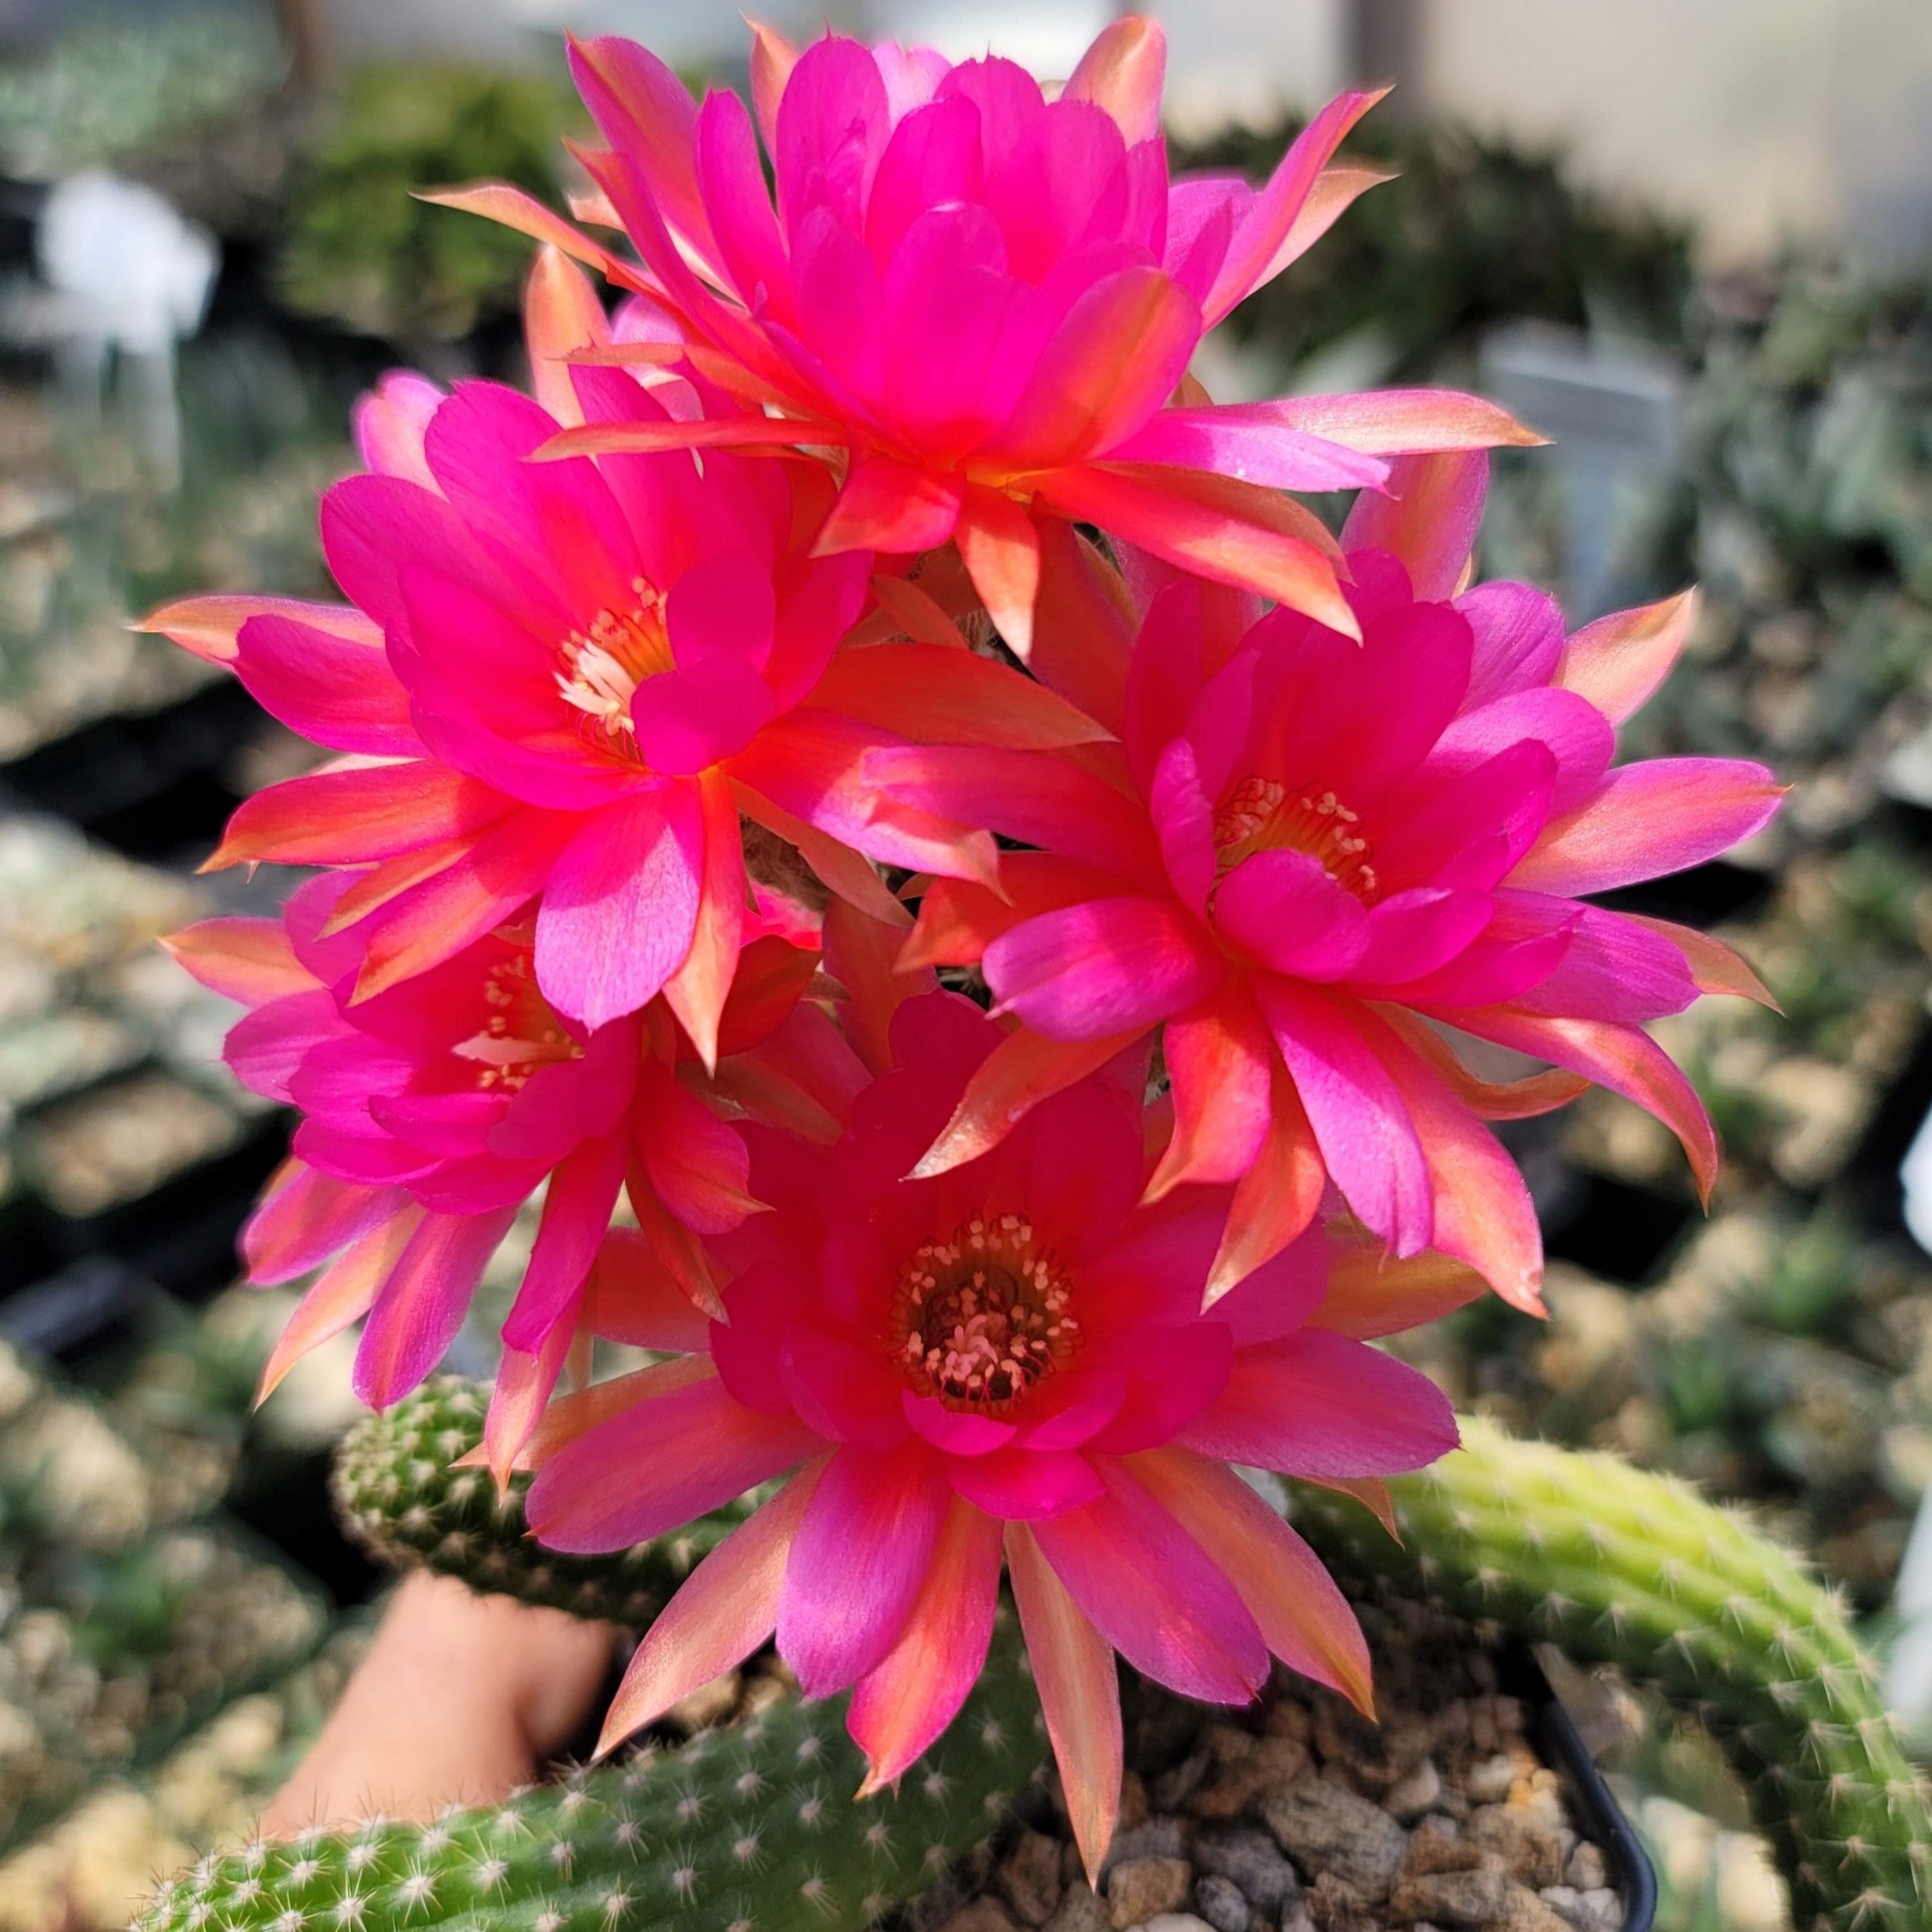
1600,1815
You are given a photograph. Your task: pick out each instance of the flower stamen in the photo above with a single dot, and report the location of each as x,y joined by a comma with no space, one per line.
1264,815
522,1035
604,664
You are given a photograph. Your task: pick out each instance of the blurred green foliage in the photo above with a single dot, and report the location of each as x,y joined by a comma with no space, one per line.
359,249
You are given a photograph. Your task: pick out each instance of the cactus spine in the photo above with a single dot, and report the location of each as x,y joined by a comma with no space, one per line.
1615,1565
754,1829
398,1495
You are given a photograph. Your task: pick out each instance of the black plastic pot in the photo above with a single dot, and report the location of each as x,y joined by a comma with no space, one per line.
1598,1812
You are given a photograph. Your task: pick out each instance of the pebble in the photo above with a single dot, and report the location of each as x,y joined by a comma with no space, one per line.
1223,1903
1409,1797
1328,1830
1176,1921
1179,1782
1477,1898
1530,1845
1488,1782
1079,1911
1030,1877
1141,1889
1598,1909
1160,1837
983,1915
1251,1860
1133,1802
1587,1869
1244,1776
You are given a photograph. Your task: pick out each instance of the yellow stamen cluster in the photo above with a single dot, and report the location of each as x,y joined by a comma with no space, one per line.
604,664
981,1318
1264,815
522,1034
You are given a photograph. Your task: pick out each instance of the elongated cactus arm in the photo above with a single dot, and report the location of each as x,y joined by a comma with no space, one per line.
1618,1566
755,1829
398,1495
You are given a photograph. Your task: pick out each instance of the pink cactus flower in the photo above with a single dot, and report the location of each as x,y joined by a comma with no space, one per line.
566,682
433,1110
1308,856
1009,1360
987,298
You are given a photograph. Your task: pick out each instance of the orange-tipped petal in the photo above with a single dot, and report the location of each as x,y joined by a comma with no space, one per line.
840,869
1216,526
352,816
1428,520
680,1252
725,1609
1304,1619
772,59
647,438
523,1386
575,1414
864,957
1370,1491
1372,1292
512,208
1001,550
1715,967
560,314
932,694
1023,1070
1122,73
1079,1696
1524,1099
890,507
1220,1070
1275,1199
248,959
901,1707
341,1296
1336,191
208,626
1405,422
697,992
916,612
1619,661
1084,623
382,884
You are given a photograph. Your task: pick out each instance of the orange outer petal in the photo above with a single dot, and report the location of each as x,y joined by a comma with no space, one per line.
1001,548
934,694
1122,73
863,956
1084,623
697,992
773,59
724,1609
1371,1292
207,626
561,313
1023,1070
571,1416
1715,967
724,433
901,1707
1304,1619
840,869
1370,1491
1336,190
248,959
342,1294
501,202
1079,1696
523,1386
1619,662
1524,1099
1277,1198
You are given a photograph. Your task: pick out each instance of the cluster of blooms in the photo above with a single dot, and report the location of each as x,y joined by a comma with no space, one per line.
662,693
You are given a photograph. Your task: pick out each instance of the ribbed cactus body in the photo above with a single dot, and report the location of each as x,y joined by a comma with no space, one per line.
1615,1565
398,1495
754,1829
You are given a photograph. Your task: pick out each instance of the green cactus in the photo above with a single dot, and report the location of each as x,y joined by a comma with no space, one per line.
751,1828
398,1495
1617,1566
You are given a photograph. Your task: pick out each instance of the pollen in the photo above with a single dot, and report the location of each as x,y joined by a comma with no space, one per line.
1264,815
605,663
522,1035
980,1318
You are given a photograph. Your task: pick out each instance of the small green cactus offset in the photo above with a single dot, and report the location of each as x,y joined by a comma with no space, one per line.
1617,1566
399,1495
754,1829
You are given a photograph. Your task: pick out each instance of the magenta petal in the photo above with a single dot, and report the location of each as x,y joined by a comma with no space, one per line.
621,904
304,1217
1283,910
1519,639
750,249
1240,440
841,1389
1577,734
329,688
1106,966
833,124
1323,1405
1177,1372
722,607
955,1432
1145,1586
931,163
1612,969
1426,520
616,1485
1082,1420
419,1307
1184,821
689,719
1419,931
1367,1140
577,1214
860,1555
1022,1485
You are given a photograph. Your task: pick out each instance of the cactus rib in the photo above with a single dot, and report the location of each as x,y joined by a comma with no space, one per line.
398,1495
754,1829
1616,1565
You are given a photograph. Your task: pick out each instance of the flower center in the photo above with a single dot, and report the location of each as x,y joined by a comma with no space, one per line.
1264,815
603,664
980,1318
522,1035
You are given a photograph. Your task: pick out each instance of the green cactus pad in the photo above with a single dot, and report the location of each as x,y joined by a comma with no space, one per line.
398,1495
1617,1566
749,1830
